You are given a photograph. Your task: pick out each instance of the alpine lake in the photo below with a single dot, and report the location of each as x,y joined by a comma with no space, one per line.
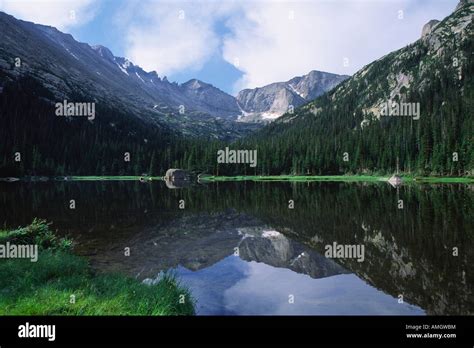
261,248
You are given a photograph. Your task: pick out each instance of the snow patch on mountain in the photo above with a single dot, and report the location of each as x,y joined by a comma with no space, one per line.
122,69
136,73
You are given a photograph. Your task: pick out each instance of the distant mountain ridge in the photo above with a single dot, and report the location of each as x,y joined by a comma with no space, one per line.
273,100
195,94
67,67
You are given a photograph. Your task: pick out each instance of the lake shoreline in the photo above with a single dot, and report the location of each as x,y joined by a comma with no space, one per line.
262,178
60,282
338,178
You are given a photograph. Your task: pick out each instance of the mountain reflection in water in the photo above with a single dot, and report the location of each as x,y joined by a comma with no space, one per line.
240,249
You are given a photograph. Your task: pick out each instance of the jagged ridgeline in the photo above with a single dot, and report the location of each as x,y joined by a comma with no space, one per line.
436,71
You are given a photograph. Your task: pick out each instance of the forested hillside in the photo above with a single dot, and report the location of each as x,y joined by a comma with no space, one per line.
341,132
436,72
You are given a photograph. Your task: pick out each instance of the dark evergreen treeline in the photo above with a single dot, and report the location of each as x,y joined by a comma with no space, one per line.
51,145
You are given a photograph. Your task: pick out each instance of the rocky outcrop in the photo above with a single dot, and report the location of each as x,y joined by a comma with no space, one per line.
211,99
462,3
428,27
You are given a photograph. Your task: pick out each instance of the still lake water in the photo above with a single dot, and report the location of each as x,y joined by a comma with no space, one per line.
241,250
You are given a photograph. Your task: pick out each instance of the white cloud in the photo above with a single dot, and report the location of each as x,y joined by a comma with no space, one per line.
62,14
270,40
171,36
343,294
170,44
275,41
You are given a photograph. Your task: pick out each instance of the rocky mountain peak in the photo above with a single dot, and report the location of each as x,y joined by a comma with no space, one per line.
428,27
104,52
271,101
195,84
462,3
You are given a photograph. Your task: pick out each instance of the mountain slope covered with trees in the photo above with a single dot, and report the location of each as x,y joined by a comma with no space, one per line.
343,131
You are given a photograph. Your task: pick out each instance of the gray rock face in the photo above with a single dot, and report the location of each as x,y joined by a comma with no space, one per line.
436,34
272,101
428,27
209,98
104,52
462,3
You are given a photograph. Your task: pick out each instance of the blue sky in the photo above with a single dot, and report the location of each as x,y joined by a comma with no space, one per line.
239,44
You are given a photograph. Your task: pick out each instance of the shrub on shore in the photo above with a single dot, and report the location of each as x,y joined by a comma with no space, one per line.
61,283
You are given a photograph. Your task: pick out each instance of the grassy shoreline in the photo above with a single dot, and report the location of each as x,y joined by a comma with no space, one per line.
276,178
338,178
61,283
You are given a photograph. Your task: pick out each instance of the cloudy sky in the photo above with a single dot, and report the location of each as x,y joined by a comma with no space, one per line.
239,44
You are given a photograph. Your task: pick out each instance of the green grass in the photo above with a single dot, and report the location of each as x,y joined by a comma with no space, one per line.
295,178
304,178
335,178
45,287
